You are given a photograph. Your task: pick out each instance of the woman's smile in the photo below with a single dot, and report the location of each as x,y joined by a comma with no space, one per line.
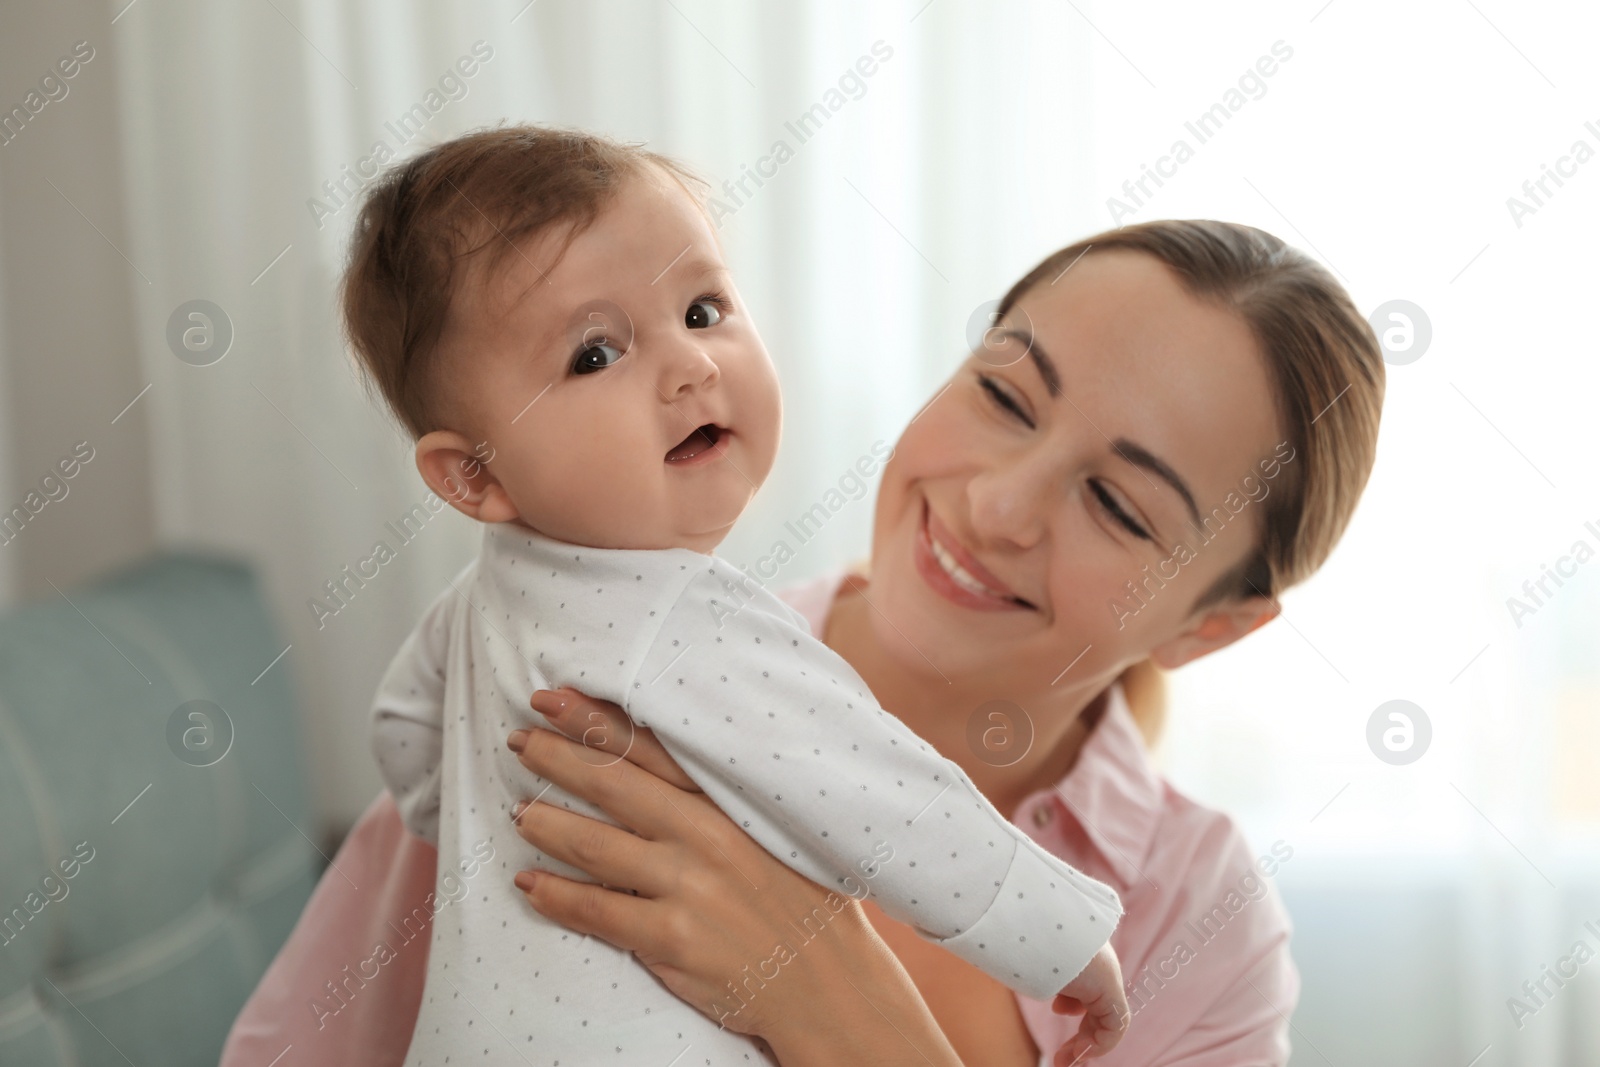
954,573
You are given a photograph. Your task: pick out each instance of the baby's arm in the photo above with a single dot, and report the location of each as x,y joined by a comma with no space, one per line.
408,720
787,739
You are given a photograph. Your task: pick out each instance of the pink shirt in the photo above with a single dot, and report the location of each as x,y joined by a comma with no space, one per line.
1204,940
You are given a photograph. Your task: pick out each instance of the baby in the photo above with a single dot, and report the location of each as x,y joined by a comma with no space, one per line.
549,314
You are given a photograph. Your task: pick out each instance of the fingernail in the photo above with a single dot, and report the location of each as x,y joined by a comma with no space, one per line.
524,881
548,704
517,741
518,808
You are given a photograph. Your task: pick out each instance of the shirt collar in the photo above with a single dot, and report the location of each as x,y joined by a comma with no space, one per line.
1114,793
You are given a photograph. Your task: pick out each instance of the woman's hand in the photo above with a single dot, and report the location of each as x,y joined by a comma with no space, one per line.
721,922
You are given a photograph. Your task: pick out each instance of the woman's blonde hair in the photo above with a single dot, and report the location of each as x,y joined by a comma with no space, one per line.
1328,377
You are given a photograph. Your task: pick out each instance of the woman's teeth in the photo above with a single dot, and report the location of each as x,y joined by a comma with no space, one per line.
960,575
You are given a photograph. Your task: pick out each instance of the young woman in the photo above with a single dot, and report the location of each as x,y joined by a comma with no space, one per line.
1170,424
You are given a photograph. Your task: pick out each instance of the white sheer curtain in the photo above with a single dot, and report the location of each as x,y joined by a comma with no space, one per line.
1387,144
862,258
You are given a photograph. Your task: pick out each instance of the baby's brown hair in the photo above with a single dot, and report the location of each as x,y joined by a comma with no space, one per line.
488,191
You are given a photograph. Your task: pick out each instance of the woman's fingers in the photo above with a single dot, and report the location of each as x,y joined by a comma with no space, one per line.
608,853
625,921
631,795
603,727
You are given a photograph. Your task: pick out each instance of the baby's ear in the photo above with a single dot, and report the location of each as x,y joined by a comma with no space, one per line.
452,468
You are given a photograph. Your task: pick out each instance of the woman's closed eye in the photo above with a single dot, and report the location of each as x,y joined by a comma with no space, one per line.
1106,501
1116,511
1005,400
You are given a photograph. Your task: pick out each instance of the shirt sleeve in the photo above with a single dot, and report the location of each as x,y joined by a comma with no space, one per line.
787,739
408,720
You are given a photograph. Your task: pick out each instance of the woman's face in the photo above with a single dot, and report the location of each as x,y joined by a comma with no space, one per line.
1073,451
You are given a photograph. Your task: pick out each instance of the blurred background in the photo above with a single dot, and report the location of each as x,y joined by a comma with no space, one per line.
199,158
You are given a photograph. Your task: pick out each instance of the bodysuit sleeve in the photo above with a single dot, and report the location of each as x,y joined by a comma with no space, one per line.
787,739
408,720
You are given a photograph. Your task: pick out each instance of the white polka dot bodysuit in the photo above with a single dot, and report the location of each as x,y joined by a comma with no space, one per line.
774,726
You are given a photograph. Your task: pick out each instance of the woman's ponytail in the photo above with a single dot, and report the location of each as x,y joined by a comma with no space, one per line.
1144,685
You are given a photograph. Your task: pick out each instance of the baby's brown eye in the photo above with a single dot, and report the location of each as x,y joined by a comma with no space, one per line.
702,313
595,357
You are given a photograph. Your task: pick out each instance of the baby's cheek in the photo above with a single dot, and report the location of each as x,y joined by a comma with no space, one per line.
766,424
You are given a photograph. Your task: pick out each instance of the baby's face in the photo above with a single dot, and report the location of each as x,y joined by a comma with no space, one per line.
624,396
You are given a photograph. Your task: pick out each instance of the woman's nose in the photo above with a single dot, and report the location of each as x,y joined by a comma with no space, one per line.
1009,503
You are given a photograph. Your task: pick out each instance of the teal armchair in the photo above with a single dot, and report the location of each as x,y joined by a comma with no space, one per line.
153,849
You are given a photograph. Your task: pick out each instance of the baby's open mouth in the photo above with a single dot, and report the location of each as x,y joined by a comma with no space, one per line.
701,439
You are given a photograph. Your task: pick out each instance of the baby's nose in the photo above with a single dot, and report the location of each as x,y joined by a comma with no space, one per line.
688,368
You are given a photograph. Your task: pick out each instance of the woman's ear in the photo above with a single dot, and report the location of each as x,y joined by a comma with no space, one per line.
452,468
1215,627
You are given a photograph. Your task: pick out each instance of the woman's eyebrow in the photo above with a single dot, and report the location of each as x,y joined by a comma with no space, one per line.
1138,455
1041,360
1142,457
